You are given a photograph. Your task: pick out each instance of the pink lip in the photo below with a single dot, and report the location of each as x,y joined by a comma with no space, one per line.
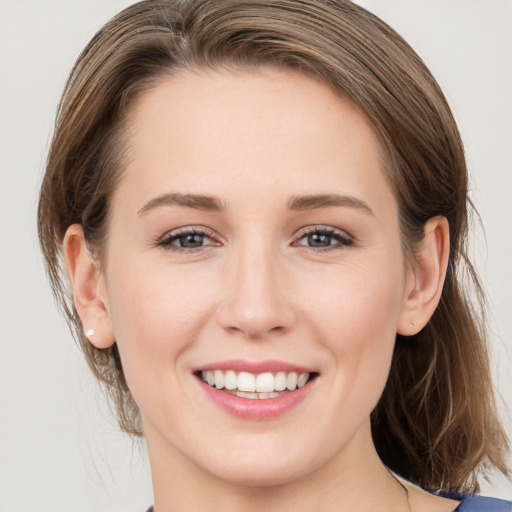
241,365
260,409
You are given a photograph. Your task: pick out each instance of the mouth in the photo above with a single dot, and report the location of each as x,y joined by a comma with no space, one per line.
256,391
261,386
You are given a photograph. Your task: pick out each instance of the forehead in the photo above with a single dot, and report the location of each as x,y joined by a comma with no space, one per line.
225,131
260,101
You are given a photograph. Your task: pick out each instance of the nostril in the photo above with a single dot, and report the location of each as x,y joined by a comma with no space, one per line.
256,311
253,332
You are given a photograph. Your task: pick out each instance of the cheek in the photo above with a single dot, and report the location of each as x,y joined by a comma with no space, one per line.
356,318
156,314
359,304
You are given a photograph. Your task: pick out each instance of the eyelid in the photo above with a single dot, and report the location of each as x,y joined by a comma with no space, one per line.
165,241
322,228
344,238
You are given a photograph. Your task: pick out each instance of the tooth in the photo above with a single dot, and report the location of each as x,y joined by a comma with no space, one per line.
230,380
291,381
246,382
254,396
265,382
243,394
280,381
303,378
219,379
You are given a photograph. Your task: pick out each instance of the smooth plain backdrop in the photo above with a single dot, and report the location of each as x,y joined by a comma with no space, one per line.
60,451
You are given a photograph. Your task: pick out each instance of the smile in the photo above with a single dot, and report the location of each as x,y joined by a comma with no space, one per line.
256,390
255,386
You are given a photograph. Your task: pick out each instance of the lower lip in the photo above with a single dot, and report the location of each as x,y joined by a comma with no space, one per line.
256,409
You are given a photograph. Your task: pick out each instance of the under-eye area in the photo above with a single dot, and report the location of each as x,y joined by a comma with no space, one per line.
256,386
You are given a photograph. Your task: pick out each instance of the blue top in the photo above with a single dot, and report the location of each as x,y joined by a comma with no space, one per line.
474,503
471,503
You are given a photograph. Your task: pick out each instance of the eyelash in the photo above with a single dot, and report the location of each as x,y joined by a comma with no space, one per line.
167,240
343,240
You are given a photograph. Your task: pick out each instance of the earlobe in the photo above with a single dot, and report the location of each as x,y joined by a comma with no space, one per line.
426,280
89,290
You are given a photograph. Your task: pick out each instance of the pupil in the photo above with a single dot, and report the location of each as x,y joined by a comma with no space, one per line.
191,241
319,240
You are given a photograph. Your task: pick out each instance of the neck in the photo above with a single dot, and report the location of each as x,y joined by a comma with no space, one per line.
352,480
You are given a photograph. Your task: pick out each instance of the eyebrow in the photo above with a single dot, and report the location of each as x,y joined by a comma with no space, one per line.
312,202
196,201
214,204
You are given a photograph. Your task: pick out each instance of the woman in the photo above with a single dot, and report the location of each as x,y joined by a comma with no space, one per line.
262,209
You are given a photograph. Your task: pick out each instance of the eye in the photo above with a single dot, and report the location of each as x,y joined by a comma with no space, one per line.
323,238
187,239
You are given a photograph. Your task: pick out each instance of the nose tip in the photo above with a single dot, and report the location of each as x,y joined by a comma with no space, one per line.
255,325
257,305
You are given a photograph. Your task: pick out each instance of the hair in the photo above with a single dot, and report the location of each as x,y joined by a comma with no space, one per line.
436,423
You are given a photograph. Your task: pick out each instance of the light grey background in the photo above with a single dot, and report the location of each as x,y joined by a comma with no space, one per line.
59,449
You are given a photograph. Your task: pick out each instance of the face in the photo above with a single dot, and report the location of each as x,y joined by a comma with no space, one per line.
254,244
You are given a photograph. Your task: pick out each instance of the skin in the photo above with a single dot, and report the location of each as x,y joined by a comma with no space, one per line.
256,290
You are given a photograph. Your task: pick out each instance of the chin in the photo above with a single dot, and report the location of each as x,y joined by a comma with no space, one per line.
264,475
262,467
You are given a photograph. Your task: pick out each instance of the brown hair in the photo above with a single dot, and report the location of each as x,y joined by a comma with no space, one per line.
436,422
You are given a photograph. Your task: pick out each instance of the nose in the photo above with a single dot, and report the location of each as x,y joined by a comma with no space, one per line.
257,302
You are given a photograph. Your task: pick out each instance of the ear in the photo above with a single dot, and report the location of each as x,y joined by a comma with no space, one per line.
89,289
426,279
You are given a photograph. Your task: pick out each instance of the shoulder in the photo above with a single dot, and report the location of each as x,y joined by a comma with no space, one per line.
473,503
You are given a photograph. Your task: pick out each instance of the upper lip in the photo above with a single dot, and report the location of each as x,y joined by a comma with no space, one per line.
255,367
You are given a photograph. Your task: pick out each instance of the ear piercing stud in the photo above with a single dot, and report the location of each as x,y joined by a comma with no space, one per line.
89,332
